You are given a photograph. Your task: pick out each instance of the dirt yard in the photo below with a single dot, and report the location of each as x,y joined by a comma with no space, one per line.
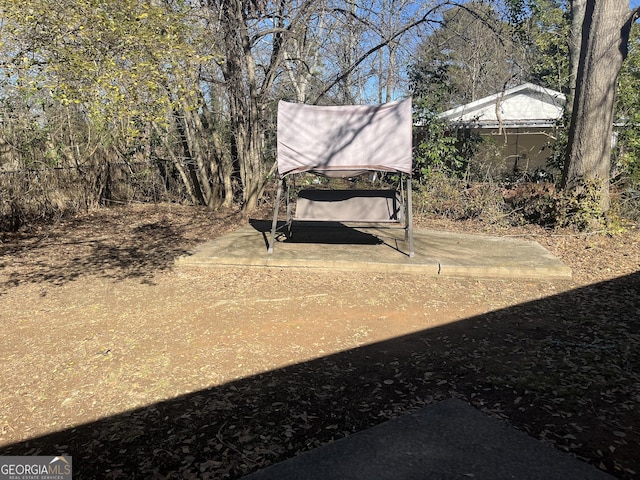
141,370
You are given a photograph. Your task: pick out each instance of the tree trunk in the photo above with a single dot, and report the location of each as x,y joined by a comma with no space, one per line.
577,11
207,167
225,164
244,104
605,33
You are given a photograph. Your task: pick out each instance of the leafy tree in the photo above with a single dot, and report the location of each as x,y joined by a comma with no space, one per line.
547,32
471,55
438,149
628,112
123,66
119,59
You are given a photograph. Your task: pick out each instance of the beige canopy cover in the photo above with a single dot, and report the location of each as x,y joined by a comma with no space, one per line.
344,140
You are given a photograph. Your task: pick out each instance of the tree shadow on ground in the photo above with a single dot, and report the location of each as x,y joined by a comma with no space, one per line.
565,369
111,243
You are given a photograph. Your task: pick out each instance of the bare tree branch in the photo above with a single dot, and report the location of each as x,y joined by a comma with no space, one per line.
346,72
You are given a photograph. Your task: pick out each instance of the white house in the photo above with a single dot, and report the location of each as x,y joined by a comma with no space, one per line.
521,121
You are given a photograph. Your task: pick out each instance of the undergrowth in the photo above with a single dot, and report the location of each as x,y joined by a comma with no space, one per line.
525,203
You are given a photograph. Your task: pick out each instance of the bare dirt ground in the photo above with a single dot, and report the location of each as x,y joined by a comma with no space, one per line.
141,370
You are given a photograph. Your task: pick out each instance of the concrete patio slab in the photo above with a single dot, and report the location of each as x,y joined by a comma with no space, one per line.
449,440
350,248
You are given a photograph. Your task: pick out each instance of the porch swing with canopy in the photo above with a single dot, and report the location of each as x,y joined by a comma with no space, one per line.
345,141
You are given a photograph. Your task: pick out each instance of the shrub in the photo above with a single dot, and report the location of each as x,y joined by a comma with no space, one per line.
627,203
535,203
453,198
443,195
542,204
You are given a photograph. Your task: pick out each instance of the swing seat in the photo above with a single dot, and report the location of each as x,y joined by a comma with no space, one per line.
367,206
344,142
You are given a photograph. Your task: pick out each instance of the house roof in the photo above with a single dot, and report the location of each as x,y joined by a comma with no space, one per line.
526,105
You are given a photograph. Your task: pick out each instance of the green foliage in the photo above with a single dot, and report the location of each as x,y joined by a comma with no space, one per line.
516,11
627,161
547,30
439,148
119,60
436,149
472,54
